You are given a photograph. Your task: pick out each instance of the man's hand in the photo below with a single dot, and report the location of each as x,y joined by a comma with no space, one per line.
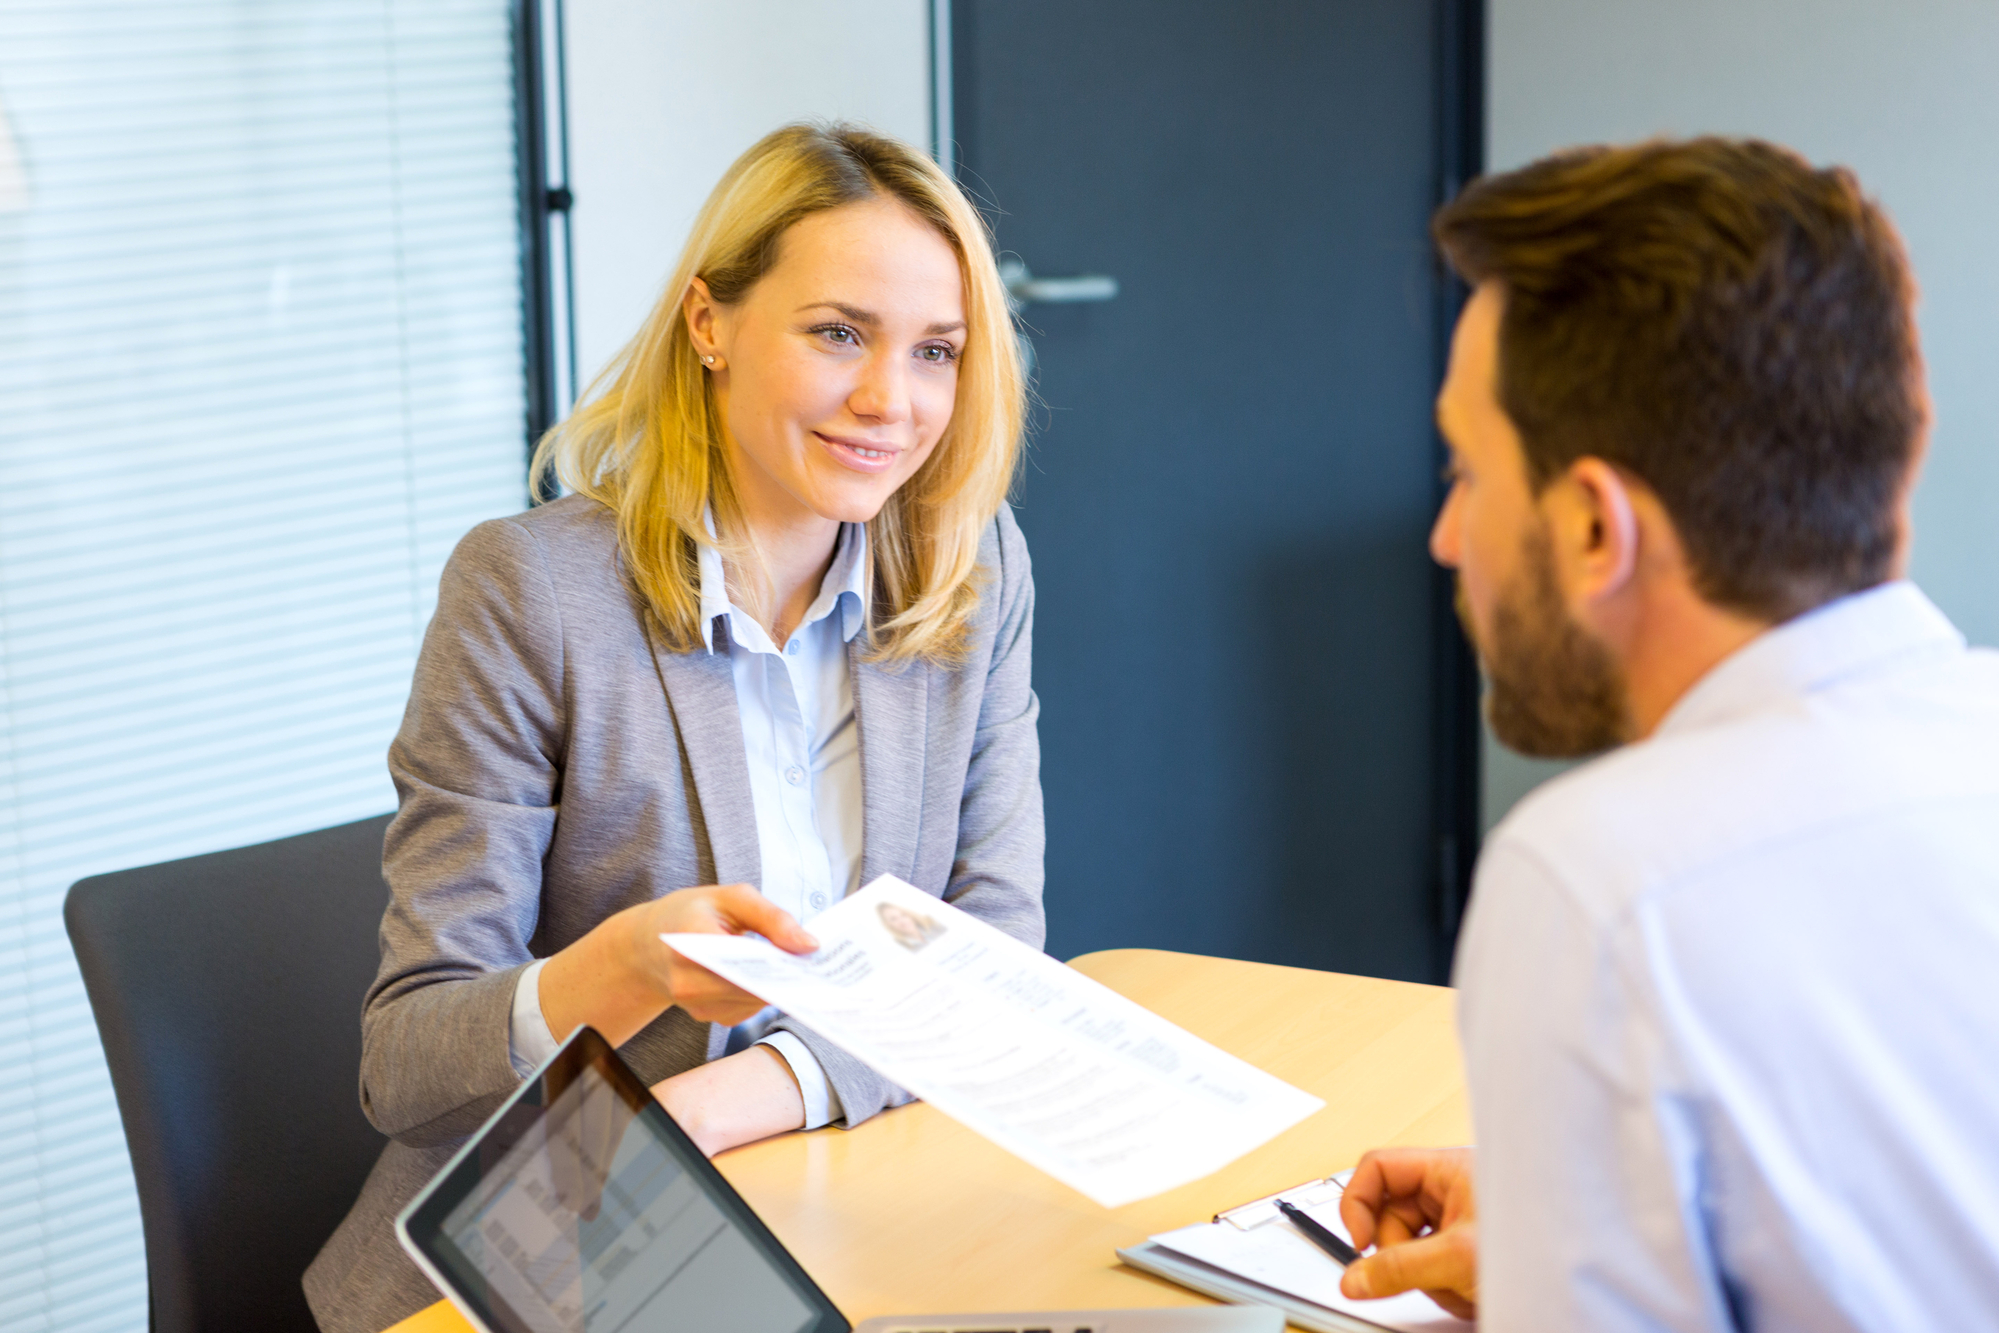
1416,1206
738,1099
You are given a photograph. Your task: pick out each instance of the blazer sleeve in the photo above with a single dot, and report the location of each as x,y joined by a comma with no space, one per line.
477,769
997,872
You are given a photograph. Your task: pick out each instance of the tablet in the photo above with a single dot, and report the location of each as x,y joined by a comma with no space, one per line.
580,1207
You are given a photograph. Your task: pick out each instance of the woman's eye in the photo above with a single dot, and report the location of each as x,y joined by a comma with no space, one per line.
938,354
839,334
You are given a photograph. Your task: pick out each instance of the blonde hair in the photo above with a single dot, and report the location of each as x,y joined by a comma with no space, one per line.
648,441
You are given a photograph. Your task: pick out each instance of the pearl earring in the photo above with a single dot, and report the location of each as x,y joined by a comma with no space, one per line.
707,360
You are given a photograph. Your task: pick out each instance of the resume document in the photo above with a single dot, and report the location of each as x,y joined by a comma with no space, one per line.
1106,1096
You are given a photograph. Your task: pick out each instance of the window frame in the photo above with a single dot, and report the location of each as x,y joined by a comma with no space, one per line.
542,153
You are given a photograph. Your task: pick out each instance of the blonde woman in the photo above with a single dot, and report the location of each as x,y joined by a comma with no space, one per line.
775,643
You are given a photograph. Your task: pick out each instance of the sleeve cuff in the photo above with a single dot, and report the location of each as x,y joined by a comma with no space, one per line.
822,1104
529,1042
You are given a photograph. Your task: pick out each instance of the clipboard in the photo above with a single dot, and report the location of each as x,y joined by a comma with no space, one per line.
1311,1195
1259,1217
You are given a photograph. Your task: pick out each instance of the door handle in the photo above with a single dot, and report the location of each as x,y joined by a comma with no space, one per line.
1023,287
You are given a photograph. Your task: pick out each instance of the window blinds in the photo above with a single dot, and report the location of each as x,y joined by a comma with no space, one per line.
260,367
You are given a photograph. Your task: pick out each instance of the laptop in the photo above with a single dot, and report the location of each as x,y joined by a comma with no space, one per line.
581,1207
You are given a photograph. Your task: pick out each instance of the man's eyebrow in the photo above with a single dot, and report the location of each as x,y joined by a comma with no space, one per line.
872,320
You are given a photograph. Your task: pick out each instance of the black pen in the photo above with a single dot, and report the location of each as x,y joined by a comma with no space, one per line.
1318,1235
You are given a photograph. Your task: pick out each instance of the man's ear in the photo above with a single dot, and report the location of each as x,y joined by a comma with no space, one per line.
1593,523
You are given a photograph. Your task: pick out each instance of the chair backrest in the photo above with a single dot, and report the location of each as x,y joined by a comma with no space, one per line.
228,990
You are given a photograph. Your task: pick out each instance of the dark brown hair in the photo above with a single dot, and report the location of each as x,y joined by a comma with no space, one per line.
1725,323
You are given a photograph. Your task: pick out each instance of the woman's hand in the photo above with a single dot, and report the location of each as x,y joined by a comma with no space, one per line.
738,1099
728,909
620,977
1417,1207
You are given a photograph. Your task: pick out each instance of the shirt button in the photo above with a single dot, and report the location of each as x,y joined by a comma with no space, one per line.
793,649
794,775
818,900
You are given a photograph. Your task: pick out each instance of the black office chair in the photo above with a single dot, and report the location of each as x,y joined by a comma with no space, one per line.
227,990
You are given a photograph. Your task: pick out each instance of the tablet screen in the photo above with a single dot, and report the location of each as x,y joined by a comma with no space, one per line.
586,1216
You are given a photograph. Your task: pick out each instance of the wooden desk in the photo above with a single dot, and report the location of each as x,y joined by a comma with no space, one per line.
913,1212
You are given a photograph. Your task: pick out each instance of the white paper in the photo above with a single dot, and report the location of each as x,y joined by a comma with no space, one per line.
1106,1096
1271,1251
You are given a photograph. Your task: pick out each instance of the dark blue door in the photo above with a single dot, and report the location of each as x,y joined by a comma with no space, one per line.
1255,719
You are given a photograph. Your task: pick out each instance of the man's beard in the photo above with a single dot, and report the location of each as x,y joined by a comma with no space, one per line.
1554,691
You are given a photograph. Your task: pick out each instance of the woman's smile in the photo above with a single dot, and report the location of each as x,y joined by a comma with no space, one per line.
860,454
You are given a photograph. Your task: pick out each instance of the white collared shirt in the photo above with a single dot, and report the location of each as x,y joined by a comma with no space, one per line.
796,708
1729,1000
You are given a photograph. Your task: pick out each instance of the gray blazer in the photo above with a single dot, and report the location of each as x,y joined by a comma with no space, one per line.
557,763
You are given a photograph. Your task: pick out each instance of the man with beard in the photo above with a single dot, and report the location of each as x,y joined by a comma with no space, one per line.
1727,994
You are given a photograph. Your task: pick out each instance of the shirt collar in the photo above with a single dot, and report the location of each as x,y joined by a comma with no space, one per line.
845,586
1860,632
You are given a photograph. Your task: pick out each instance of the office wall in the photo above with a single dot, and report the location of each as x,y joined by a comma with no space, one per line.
1903,93
663,95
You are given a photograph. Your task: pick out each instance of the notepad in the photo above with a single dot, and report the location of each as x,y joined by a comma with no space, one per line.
1252,1254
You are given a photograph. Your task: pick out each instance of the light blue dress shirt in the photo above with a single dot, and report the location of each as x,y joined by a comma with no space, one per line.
796,707
1729,1000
